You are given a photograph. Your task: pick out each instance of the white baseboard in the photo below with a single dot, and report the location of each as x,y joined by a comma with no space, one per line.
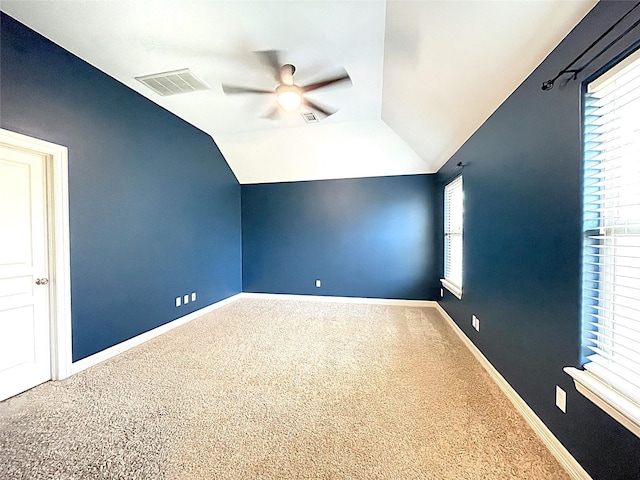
570,464
103,355
324,298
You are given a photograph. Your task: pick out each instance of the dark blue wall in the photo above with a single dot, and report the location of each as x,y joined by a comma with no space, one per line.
154,208
367,237
522,247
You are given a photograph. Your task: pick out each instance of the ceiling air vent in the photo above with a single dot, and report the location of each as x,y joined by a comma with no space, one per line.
310,117
173,83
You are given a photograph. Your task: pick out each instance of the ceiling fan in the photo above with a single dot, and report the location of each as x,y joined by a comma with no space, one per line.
289,96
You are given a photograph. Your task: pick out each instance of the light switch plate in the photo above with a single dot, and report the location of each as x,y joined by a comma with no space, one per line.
561,399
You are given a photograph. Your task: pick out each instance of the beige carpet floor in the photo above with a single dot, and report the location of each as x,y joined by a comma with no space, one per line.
279,389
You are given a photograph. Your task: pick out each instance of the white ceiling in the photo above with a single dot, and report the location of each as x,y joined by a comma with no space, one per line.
426,74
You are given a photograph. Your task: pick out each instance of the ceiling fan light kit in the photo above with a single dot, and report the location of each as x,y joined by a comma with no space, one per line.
289,97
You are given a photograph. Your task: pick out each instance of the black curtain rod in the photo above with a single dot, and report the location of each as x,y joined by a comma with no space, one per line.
548,85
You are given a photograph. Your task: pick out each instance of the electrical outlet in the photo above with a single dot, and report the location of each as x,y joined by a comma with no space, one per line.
318,283
561,399
178,301
193,297
475,322
185,299
441,292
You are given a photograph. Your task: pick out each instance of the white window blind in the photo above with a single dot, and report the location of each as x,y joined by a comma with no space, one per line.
453,217
611,249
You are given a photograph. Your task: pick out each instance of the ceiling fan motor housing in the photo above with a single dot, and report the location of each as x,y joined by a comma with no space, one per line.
286,74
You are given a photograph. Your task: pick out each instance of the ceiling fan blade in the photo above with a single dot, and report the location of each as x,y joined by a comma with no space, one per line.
271,58
231,89
324,110
342,77
273,114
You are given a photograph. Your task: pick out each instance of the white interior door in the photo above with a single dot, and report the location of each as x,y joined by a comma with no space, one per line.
25,358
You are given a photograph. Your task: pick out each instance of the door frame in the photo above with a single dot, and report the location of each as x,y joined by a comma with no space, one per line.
57,198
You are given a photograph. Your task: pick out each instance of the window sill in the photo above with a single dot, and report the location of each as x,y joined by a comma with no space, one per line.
456,290
618,406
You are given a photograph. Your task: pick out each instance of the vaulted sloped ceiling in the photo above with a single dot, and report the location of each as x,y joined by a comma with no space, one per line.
426,74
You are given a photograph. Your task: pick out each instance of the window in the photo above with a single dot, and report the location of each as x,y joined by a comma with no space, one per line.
611,246
453,213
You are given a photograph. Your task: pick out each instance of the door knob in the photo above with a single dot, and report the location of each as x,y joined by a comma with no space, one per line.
42,281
